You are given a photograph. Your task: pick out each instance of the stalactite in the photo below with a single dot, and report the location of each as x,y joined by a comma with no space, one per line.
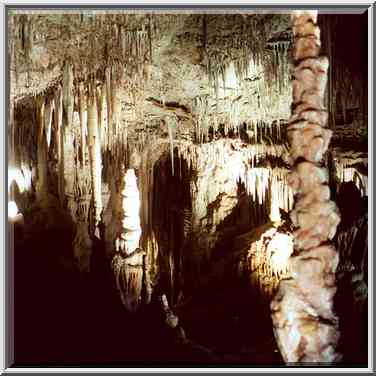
109,105
48,120
305,325
100,95
27,37
275,200
150,17
81,111
13,29
59,132
11,132
171,126
42,184
238,166
68,96
261,66
115,103
345,171
267,260
94,146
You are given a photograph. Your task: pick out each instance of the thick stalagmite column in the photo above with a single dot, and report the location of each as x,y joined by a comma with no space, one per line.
128,260
130,237
94,145
305,325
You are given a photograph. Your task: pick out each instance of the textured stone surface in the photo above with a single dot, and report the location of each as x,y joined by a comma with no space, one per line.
305,324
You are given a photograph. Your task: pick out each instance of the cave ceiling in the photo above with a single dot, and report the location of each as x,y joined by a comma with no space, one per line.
184,66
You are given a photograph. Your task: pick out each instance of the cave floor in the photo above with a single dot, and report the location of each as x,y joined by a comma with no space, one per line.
64,318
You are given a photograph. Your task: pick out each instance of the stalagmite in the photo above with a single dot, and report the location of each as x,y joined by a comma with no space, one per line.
94,146
82,243
130,237
127,263
171,319
305,326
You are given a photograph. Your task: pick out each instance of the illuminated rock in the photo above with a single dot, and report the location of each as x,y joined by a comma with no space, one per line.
305,325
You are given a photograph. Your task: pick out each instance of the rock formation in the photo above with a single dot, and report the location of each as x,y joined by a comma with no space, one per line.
305,324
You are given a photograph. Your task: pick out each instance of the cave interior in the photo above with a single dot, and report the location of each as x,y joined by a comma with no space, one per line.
150,209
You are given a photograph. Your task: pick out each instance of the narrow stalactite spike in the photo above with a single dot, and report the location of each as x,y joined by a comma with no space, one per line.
94,155
81,111
48,120
108,105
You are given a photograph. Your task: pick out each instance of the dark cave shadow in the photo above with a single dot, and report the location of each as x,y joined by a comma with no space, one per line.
219,306
171,214
247,215
229,317
353,343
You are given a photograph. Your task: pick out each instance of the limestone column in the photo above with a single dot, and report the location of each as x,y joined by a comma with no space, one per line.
305,326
